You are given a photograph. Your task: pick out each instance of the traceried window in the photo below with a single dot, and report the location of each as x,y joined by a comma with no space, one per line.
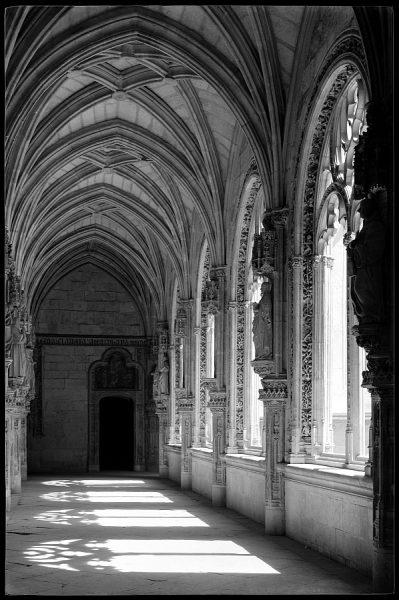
341,405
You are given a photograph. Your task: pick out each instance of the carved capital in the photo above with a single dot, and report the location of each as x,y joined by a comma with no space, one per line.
379,372
217,401
263,368
186,303
295,262
180,393
208,383
210,307
274,390
220,272
368,338
279,216
186,405
232,306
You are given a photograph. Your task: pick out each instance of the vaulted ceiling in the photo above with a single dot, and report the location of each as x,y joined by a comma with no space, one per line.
123,127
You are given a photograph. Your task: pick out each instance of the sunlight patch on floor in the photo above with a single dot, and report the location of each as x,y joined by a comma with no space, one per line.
94,482
193,563
148,556
107,496
144,518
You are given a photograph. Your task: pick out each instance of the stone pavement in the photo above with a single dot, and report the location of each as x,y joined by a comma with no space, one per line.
135,534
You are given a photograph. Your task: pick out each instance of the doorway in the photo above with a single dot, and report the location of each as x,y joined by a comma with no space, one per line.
116,434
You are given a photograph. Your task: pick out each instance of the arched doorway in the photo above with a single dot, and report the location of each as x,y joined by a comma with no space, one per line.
119,379
116,433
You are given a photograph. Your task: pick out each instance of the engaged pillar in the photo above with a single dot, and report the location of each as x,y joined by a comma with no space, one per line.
217,405
274,396
162,414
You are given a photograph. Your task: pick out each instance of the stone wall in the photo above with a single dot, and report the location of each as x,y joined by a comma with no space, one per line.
87,302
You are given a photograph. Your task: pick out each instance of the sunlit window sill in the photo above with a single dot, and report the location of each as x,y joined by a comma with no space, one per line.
337,478
201,450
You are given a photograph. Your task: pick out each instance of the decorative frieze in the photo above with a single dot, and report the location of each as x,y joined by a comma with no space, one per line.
82,340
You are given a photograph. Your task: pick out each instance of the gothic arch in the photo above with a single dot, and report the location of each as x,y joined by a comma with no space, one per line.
343,64
237,307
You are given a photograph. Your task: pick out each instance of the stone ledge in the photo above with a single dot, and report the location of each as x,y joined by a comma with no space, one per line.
342,480
247,462
201,453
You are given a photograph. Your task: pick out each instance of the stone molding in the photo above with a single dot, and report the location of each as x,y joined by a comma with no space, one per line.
186,405
274,390
82,340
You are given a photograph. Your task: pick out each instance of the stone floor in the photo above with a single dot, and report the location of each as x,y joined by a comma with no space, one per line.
136,534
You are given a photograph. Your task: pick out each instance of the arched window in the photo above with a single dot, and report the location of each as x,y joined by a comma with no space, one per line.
254,406
341,413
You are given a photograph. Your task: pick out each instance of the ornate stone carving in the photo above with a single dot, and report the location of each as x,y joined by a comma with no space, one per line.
274,389
264,249
279,216
240,309
217,401
116,374
262,326
186,404
366,253
263,367
210,296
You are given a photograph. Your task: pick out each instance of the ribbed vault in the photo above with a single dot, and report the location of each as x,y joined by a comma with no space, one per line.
121,126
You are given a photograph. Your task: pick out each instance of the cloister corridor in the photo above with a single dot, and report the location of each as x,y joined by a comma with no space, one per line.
126,533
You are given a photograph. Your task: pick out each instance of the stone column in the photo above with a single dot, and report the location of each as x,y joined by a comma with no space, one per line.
274,396
197,388
186,415
8,362
8,423
162,414
296,454
15,455
22,448
174,380
232,434
217,405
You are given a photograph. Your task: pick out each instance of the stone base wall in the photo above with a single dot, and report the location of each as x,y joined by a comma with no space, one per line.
174,463
202,472
331,515
245,486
